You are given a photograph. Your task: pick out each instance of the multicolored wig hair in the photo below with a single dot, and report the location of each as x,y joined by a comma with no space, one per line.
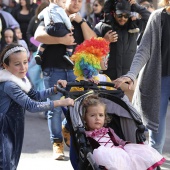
88,55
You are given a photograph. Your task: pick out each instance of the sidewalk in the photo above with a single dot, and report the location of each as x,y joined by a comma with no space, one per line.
37,149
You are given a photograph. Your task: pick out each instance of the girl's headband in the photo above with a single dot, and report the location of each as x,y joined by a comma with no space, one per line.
13,50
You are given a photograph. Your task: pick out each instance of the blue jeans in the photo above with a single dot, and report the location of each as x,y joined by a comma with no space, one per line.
157,140
51,76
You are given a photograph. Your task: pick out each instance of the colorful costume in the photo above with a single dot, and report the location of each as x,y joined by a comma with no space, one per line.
87,58
119,154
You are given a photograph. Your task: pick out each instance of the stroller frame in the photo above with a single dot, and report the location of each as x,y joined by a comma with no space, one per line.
113,99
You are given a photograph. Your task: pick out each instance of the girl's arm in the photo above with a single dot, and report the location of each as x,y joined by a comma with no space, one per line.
40,95
20,97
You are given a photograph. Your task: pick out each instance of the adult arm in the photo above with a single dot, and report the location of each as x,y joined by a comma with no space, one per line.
87,31
30,33
144,13
10,20
41,36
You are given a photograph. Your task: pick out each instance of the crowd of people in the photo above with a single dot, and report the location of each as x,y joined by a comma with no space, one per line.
48,34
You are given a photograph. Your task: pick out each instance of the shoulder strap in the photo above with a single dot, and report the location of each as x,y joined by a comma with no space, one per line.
113,138
49,14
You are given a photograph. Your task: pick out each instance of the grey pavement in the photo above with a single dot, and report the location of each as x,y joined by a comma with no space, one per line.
37,149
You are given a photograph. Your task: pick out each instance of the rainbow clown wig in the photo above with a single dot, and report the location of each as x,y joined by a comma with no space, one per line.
88,55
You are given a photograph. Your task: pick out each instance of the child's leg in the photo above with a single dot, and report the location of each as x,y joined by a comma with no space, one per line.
40,51
109,6
69,51
133,28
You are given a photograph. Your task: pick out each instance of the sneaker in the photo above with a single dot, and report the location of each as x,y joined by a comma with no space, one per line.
38,59
66,136
158,168
135,30
58,151
67,58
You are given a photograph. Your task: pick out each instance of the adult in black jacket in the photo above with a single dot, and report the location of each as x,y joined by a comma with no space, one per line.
123,49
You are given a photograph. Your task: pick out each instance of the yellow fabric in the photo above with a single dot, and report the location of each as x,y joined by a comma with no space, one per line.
99,77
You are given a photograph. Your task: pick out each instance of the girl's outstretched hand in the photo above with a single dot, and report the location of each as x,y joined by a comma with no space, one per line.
118,82
64,102
67,102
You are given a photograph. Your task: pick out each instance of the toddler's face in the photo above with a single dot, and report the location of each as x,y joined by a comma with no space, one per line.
18,33
104,63
9,36
95,117
61,3
18,64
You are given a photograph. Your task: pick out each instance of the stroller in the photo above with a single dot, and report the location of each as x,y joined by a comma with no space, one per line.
125,120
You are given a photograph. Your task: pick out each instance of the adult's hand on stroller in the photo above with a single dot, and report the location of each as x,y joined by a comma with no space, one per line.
119,81
94,81
64,102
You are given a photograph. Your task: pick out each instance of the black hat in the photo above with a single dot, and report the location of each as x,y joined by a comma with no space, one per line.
123,7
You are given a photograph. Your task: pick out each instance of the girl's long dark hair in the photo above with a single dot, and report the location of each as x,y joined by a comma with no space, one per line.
3,42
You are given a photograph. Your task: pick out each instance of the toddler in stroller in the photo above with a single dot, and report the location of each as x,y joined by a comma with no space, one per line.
97,147
119,154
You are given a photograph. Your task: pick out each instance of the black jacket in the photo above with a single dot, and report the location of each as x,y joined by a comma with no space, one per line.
122,51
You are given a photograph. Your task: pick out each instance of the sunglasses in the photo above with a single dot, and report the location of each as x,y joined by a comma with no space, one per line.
123,15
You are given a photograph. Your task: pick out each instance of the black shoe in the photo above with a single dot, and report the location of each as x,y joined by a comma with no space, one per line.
158,168
38,60
67,58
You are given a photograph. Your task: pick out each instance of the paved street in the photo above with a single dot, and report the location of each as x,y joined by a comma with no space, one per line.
37,149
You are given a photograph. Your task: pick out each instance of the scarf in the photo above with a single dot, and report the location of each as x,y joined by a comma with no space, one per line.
24,83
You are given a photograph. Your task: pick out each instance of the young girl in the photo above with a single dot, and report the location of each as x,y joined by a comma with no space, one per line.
17,96
114,153
8,37
20,41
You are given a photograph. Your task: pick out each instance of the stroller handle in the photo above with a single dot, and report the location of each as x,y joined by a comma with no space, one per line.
85,84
